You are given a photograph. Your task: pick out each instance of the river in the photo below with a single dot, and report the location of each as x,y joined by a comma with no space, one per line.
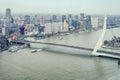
62,64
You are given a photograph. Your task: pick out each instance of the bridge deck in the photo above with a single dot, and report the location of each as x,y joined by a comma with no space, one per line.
70,46
77,47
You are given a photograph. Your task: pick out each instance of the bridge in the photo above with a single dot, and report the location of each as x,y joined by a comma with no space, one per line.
95,52
99,52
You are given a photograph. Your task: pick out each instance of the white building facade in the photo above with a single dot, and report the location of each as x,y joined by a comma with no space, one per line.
95,22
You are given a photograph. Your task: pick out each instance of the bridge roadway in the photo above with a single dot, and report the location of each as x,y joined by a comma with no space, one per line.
69,46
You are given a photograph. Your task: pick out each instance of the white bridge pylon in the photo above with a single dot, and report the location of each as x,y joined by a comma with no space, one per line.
100,41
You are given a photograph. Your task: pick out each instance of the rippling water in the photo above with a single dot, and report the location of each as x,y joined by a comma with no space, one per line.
55,65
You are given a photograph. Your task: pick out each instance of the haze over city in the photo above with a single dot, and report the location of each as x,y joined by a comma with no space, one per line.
61,6
59,39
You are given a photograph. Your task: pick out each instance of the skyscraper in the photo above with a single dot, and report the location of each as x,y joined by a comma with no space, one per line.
70,22
76,18
65,26
9,20
35,20
42,21
69,16
88,23
63,18
54,18
94,22
81,18
8,13
27,19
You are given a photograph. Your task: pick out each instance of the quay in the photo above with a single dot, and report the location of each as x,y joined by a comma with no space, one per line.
19,42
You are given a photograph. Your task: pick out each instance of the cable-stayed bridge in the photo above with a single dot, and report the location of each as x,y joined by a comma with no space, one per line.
96,51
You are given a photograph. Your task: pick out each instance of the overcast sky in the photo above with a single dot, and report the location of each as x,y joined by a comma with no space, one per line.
61,6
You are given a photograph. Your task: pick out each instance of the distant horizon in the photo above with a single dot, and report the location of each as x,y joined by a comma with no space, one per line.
38,13
13,12
110,7
59,14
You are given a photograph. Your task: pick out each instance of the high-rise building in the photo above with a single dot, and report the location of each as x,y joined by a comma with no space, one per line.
54,18
65,26
70,16
42,21
81,18
35,20
94,22
75,22
70,22
82,21
88,23
9,20
76,18
27,19
8,13
63,18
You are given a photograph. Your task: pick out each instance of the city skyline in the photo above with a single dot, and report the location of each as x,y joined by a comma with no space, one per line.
61,6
